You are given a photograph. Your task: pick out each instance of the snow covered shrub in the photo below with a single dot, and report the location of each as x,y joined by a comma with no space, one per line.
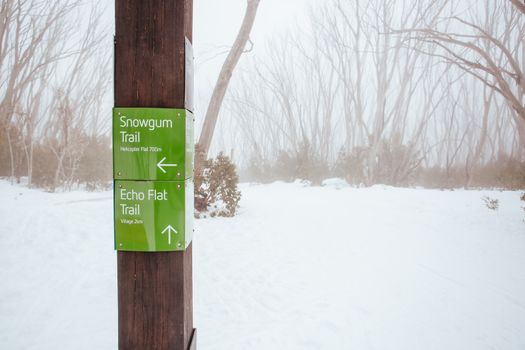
389,162
94,168
201,181
82,162
310,165
44,167
89,167
258,170
350,165
504,172
285,167
216,190
13,152
302,163
288,165
395,163
491,203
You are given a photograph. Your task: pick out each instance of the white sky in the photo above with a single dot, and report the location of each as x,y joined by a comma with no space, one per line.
215,27
216,23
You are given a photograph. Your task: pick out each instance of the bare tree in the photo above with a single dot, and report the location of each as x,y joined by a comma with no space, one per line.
51,84
350,91
76,101
223,81
490,47
31,33
519,5
477,145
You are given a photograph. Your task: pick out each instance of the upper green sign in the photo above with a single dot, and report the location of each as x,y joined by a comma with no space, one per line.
152,144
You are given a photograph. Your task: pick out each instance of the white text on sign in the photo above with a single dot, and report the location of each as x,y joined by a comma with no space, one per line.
132,195
144,123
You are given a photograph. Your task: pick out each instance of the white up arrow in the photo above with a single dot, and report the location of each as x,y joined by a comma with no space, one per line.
161,165
169,229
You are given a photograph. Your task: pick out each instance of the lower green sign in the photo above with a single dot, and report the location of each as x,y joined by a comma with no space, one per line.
153,216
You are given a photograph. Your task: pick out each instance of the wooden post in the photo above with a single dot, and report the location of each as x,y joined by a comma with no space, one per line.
155,310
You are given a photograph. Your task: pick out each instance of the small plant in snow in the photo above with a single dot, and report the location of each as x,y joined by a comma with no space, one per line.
491,203
216,192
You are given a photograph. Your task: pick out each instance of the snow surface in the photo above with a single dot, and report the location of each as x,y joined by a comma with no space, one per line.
335,182
300,267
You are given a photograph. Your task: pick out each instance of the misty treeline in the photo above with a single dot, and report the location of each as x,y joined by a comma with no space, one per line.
55,74
399,92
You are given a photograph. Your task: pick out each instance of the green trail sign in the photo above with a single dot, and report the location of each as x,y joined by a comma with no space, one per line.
152,144
153,152
153,216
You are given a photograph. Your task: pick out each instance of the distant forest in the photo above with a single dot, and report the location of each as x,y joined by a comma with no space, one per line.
56,73
404,92
400,92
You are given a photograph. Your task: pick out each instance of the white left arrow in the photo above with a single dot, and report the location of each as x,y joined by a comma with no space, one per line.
161,165
169,229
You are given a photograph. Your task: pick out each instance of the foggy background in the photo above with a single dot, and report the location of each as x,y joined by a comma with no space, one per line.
339,114
372,92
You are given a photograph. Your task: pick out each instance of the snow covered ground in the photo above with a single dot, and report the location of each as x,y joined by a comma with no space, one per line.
299,268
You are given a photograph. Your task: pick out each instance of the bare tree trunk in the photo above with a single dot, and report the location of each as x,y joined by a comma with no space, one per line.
476,158
11,155
520,5
520,125
224,79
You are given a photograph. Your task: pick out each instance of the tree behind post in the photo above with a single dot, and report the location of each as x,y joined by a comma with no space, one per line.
223,81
